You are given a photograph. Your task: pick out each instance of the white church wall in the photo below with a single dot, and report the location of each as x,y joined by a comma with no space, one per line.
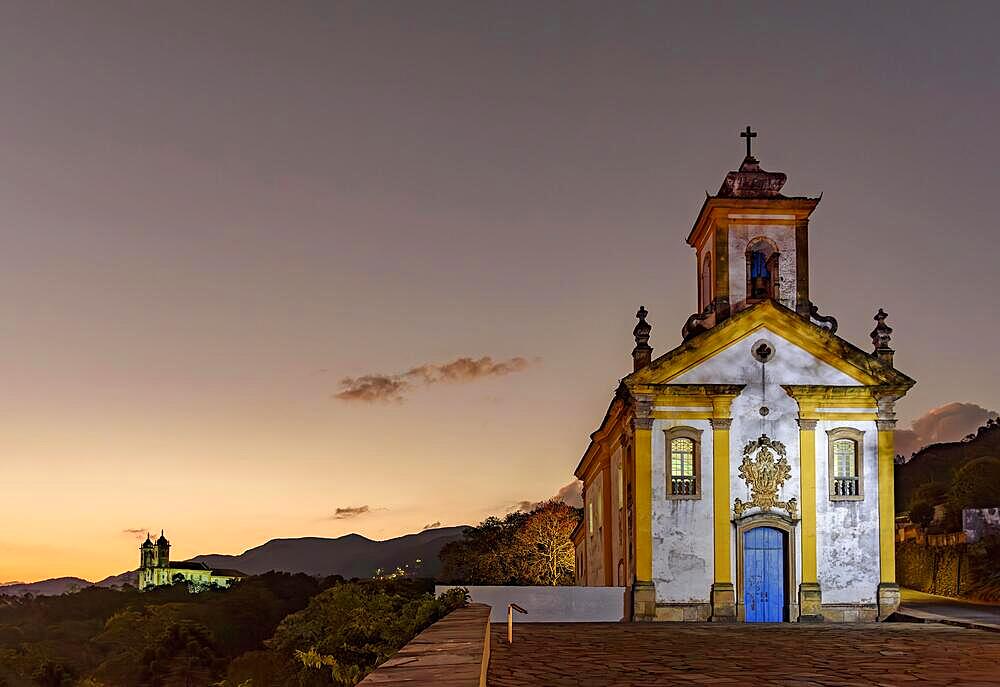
847,532
783,236
790,364
683,548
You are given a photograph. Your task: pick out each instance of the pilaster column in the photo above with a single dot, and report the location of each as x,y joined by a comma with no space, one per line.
810,594
721,250
888,590
723,592
643,590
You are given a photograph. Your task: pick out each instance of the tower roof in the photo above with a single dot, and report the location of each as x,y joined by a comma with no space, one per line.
750,181
148,544
162,540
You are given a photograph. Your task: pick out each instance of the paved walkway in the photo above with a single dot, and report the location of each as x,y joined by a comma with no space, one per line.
933,608
634,655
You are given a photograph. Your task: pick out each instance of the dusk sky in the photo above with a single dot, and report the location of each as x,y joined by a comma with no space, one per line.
214,213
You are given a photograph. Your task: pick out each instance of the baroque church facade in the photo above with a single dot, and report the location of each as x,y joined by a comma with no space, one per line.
157,570
747,474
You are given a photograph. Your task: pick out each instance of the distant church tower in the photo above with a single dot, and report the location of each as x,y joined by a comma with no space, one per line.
162,551
746,475
147,554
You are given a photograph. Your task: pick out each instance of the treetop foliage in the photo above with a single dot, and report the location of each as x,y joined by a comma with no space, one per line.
522,548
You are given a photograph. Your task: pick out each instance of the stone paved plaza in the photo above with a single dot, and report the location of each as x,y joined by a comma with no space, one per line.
630,655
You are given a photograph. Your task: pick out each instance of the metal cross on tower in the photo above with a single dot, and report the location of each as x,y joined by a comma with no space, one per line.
748,135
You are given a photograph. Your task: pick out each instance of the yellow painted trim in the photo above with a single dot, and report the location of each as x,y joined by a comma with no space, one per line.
681,414
720,490
721,406
682,401
807,476
644,505
860,417
886,504
859,396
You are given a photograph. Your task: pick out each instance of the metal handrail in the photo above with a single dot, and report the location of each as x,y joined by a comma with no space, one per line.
510,620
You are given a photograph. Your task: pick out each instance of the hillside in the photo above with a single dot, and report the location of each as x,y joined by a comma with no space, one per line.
939,462
349,556
52,587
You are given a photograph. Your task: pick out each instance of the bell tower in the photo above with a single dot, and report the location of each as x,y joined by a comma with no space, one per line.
147,553
751,244
162,551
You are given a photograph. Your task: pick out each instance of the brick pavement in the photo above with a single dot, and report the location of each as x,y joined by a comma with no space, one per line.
634,655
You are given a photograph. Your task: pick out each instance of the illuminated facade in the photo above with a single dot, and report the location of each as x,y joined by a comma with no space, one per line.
156,569
746,475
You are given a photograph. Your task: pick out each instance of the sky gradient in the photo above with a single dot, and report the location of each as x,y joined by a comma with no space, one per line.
214,213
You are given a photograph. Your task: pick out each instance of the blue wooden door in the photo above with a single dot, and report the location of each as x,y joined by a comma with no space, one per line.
763,575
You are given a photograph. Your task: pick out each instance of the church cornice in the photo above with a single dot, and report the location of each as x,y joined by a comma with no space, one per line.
716,210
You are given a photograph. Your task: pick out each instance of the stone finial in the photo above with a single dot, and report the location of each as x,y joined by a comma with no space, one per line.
881,336
642,354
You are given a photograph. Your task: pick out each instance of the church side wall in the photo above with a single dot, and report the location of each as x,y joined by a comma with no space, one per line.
594,512
847,532
740,236
615,517
683,548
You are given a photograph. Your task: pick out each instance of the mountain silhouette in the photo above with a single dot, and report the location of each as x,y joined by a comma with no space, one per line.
349,556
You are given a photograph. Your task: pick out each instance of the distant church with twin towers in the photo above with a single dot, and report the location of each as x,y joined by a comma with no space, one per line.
157,570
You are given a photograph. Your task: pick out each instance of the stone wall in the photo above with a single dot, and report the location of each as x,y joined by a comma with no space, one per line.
453,652
943,570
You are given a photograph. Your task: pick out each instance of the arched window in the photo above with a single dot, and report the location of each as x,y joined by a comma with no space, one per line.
845,464
706,281
762,270
683,463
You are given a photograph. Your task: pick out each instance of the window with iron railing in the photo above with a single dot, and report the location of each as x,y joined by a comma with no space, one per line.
682,463
845,464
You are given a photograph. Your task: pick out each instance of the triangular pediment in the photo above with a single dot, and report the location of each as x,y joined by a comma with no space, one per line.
836,360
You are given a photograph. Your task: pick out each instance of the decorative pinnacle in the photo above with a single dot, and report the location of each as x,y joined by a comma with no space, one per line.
642,354
881,335
642,329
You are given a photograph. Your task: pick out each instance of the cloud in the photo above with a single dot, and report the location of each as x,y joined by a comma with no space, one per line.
950,422
377,387
135,531
571,494
431,525
349,512
373,388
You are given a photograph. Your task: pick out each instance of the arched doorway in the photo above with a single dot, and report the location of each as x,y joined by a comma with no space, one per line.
764,575
766,578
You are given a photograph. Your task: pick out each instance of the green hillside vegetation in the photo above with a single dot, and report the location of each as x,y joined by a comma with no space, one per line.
932,473
269,630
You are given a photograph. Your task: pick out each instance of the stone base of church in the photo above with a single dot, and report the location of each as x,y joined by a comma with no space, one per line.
888,599
810,603
683,613
849,613
723,602
643,601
